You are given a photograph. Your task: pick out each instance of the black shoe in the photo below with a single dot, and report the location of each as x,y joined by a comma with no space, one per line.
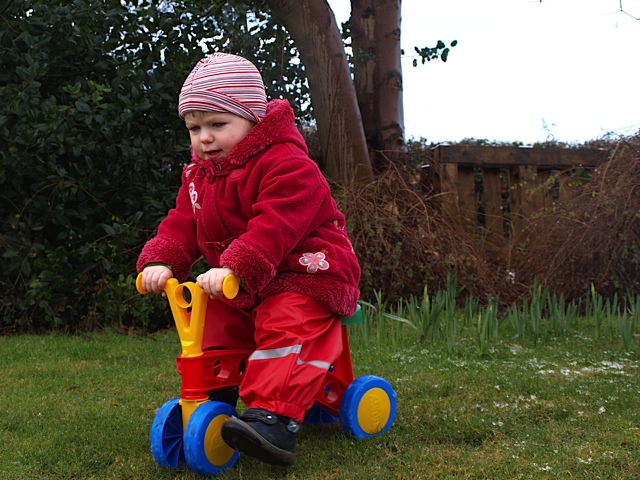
263,435
226,395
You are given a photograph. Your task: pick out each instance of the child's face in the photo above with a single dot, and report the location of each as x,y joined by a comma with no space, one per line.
214,134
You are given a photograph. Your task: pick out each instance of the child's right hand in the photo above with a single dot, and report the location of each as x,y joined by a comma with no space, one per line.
154,278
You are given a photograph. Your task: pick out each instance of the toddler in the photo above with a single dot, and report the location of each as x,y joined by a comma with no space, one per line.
253,204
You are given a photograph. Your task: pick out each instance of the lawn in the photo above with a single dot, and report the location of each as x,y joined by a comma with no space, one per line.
80,407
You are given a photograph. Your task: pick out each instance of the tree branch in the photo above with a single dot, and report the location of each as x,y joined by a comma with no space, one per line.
627,13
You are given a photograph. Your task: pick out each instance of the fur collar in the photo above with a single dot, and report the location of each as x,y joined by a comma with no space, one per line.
277,126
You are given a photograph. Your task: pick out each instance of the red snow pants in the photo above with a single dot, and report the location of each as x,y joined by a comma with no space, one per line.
295,339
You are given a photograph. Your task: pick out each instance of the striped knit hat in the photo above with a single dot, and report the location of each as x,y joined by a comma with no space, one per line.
223,82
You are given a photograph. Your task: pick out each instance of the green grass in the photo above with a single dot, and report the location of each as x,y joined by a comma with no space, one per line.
81,407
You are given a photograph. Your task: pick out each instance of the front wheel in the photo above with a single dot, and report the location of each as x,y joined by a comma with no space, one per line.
166,435
205,451
368,407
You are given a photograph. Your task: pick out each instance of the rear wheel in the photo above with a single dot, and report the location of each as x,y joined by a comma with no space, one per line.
317,416
368,407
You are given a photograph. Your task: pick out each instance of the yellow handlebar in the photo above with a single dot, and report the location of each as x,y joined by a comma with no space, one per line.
230,286
189,316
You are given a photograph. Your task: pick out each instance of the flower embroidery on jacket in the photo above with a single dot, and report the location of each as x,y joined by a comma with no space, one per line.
188,169
314,261
194,196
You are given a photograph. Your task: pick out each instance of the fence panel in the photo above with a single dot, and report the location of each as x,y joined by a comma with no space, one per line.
515,184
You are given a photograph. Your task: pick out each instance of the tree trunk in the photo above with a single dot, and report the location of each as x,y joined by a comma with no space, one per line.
313,28
375,32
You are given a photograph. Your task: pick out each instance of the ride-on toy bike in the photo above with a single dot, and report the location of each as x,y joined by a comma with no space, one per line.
187,429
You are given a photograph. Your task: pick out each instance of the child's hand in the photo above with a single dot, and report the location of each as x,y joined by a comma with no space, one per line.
211,281
154,278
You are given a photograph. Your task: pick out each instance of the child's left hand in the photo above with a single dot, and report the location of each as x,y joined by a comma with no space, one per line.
211,281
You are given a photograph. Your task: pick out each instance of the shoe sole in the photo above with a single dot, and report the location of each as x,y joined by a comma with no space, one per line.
243,438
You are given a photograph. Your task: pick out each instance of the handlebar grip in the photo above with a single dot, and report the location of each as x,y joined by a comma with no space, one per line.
230,286
141,290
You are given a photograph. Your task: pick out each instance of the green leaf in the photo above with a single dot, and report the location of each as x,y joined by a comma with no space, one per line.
82,107
109,229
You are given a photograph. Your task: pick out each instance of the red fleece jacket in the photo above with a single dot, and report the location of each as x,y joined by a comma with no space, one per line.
266,212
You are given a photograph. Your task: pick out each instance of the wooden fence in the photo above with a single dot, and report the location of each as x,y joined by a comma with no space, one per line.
497,190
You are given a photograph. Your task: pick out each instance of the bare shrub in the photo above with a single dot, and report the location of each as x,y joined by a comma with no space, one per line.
593,235
590,236
403,243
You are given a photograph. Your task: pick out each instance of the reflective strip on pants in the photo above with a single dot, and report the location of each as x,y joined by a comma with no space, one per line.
275,353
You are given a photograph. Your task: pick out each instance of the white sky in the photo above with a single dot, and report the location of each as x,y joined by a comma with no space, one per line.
523,70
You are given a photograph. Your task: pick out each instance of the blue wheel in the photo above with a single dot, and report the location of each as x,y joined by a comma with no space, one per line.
205,451
368,407
317,416
166,435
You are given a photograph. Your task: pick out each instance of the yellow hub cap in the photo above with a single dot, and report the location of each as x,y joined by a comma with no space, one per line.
217,451
374,410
